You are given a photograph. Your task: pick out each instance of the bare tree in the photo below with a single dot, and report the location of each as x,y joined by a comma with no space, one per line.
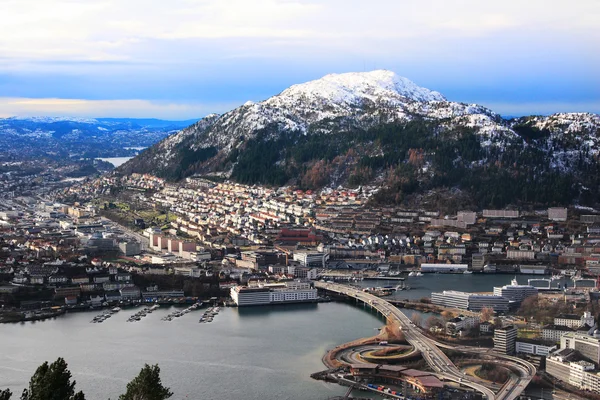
486,314
416,319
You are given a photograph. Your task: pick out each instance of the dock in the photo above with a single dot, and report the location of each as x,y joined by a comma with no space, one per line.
383,278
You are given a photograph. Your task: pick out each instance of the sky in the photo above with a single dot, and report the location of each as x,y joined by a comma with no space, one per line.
183,59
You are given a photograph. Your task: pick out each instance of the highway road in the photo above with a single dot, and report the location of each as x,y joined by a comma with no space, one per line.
431,349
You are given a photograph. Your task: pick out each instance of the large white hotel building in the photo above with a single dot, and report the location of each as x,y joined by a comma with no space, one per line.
265,294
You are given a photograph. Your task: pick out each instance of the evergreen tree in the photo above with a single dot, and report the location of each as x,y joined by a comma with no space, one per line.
52,382
147,386
5,394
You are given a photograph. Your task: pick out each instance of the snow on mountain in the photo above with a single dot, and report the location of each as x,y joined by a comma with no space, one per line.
189,133
351,88
337,102
568,137
566,123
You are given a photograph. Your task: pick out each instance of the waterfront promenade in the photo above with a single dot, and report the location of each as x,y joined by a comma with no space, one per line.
431,349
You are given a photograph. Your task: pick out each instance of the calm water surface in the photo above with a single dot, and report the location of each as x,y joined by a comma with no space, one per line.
116,161
251,354
422,286
258,353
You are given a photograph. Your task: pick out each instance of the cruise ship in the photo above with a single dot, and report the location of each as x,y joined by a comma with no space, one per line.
274,293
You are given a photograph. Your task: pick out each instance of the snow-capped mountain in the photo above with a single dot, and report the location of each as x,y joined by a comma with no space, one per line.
334,103
378,115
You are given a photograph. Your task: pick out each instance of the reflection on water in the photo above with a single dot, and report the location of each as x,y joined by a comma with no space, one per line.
274,309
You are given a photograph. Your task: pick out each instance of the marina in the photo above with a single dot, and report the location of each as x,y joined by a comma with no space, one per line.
209,314
194,361
105,315
177,314
142,313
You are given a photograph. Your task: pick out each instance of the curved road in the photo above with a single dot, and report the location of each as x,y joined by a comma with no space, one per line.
430,348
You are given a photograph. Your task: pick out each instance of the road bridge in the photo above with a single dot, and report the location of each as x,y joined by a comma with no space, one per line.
431,349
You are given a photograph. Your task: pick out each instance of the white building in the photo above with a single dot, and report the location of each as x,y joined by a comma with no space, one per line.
580,374
534,348
575,321
505,339
462,323
263,294
553,333
587,346
311,258
557,214
444,268
500,214
469,301
515,292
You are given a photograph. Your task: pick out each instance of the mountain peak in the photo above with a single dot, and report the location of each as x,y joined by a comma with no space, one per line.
351,86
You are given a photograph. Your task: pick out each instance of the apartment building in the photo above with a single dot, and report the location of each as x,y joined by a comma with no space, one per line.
505,339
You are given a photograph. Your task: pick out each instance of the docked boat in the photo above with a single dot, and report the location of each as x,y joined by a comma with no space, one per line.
467,272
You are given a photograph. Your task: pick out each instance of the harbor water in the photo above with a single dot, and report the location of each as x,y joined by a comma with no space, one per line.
255,353
422,286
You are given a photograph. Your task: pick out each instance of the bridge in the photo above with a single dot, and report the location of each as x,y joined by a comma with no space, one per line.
431,349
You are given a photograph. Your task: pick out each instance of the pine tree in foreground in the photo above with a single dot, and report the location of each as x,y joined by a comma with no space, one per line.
52,382
147,386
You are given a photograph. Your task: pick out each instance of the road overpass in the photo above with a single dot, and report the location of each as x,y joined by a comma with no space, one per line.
431,349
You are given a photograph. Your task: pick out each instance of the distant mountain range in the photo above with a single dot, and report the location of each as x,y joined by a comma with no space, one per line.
80,137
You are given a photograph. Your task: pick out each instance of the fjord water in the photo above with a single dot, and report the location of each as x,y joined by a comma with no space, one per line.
422,286
253,353
256,353
116,161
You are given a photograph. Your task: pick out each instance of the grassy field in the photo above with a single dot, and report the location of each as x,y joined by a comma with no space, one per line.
528,334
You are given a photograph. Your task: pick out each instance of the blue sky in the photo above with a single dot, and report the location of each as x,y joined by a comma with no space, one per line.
186,58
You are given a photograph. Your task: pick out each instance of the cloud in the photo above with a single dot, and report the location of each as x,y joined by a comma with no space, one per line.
29,107
117,30
206,53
